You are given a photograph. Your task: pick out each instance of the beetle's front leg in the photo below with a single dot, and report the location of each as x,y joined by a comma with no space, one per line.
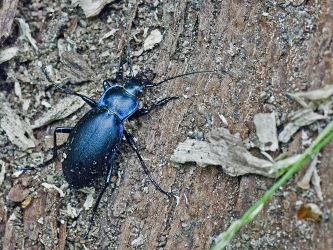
120,73
142,112
87,100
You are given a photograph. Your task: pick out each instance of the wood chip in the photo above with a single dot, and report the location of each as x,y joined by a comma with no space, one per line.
18,193
7,54
76,68
62,236
31,215
7,14
62,109
266,131
9,239
18,131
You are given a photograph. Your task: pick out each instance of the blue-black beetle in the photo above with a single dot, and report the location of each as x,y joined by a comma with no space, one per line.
91,147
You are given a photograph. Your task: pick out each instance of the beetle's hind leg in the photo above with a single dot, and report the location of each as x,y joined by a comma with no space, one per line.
106,184
55,148
131,142
62,130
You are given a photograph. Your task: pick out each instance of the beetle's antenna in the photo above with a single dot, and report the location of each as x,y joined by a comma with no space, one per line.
128,47
191,73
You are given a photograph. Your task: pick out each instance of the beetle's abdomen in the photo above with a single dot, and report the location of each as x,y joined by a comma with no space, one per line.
91,146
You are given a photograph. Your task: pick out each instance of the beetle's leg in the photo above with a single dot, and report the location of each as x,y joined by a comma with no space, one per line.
106,184
119,76
153,75
164,101
131,142
106,84
63,130
55,148
120,73
139,113
89,101
142,112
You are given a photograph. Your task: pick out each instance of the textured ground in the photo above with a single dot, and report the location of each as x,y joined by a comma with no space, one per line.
266,47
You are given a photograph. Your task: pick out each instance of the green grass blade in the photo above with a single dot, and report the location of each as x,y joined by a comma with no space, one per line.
323,138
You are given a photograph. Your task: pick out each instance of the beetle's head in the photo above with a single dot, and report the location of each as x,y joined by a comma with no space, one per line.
134,85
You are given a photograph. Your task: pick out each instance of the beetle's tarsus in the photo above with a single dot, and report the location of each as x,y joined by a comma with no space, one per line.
26,168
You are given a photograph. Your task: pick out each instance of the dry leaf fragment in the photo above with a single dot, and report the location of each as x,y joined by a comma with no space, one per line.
50,186
72,211
315,180
55,27
26,32
299,119
108,34
315,95
89,201
309,211
7,54
223,149
155,37
91,7
62,109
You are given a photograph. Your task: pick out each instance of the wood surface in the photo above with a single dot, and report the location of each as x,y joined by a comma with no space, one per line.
275,47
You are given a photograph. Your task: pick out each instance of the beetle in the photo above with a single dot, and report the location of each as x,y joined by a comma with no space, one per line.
91,147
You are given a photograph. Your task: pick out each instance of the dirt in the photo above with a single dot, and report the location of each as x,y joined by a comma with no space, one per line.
265,47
